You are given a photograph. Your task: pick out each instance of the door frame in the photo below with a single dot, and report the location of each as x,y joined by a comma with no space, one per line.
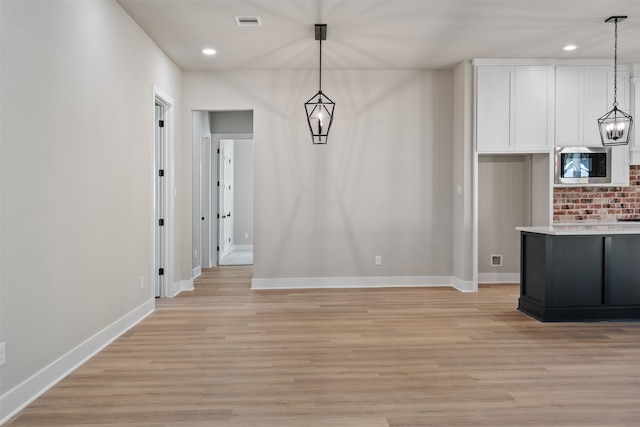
163,204
215,176
206,202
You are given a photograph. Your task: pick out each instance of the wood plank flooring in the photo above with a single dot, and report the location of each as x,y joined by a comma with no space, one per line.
226,356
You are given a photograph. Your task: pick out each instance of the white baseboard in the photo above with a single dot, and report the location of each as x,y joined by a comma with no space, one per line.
351,282
16,399
183,285
464,285
498,277
196,272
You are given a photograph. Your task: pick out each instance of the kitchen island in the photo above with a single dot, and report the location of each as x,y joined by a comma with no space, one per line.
580,272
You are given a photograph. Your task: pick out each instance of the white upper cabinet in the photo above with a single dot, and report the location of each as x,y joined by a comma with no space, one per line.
494,95
534,115
582,96
514,108
584,93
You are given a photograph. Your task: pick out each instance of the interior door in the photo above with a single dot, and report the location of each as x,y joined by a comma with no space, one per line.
225,210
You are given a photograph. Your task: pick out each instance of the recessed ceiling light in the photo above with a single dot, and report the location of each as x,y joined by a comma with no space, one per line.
248,21
209,51
570,47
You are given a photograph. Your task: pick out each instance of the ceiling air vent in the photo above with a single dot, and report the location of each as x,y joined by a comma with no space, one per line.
248,21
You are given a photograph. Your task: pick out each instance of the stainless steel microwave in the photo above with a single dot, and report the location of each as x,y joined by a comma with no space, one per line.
582,165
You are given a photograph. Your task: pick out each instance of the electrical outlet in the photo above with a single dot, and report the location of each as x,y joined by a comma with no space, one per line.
378,260
195,253
246,235
3,356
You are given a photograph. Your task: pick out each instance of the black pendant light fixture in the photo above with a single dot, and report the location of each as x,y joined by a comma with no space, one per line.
319,108
615,126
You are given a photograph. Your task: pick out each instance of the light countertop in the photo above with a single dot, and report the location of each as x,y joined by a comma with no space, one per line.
585,229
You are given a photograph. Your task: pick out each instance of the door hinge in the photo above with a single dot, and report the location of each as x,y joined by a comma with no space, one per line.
218,216
218,151
161,123
161,222
218,183
217,248
161,172
203,218
161,272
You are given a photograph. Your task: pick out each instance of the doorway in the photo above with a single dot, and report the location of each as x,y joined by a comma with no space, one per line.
235,207
222,200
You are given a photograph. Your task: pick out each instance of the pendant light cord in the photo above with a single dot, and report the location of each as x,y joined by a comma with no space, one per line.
615,66
320,82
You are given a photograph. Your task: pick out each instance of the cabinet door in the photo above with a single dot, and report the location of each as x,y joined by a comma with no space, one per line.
533,109
624,270
577,271
620,165
623,91
569,105
493,108
596,95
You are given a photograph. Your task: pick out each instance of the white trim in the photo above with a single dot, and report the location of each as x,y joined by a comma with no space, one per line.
540,61
196,272
351,282
171,192
16,399
499,278
243,248
181,286
464,285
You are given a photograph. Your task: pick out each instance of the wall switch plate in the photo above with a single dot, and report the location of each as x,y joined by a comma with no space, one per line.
3,356
378,260
246,235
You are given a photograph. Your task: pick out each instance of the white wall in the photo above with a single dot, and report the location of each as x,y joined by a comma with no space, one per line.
229,122
77,189
382,185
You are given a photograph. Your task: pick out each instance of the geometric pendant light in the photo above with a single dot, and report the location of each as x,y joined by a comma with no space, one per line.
615,126
319,108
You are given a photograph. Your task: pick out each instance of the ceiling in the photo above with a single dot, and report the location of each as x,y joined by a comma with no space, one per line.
384,34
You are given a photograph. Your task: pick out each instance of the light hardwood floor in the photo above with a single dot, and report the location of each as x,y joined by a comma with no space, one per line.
224,355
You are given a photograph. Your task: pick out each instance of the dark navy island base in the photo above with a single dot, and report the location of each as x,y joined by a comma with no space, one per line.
580,277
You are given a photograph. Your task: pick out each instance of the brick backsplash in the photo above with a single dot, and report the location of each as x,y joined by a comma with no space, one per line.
603,204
